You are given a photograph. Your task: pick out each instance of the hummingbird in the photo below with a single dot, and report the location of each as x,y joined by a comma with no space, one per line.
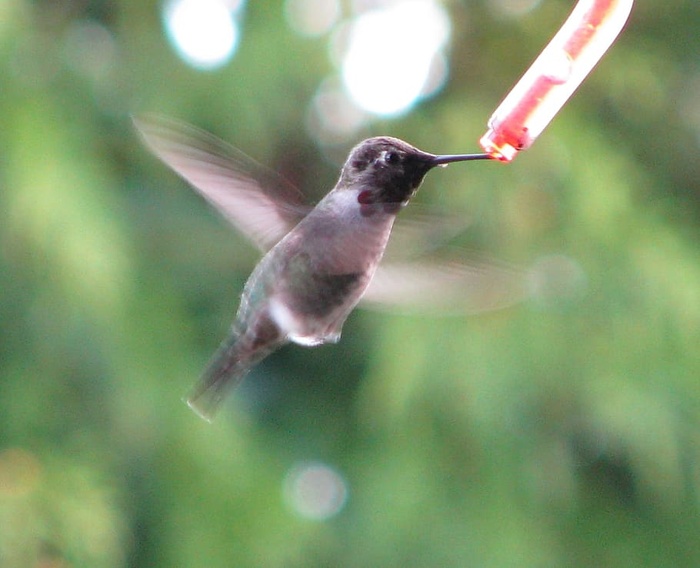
318,262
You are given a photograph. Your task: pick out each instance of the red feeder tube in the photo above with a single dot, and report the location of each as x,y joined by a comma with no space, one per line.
549,82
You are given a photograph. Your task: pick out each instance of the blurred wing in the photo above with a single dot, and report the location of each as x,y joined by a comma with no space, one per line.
420,229
257,201
447,287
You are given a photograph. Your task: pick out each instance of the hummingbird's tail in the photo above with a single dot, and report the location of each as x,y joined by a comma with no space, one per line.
227,368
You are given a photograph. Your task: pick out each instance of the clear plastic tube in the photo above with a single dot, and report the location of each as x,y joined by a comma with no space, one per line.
554,76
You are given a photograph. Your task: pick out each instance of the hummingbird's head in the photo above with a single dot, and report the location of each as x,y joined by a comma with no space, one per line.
386,170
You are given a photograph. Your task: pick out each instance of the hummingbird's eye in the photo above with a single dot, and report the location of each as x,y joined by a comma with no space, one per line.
391,157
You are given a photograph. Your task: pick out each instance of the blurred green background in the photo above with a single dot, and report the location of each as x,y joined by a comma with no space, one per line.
564,431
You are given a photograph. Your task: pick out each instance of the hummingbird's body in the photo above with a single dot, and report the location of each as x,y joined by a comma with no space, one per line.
316,274
299,292
307,284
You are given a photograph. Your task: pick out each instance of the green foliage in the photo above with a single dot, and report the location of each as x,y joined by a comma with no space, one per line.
560,432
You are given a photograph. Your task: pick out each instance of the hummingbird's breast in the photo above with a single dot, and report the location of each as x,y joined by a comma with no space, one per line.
324,265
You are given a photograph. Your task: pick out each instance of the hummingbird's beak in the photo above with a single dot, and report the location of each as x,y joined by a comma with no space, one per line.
449,158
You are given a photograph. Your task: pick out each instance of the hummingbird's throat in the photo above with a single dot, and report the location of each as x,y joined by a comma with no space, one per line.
370,206
365,197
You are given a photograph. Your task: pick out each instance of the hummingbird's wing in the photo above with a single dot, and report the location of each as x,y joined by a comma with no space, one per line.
421,229
445,287
257,201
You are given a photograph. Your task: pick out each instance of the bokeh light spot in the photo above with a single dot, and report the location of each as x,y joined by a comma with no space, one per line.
204,33
19,472
391,53
315,490
556,279
513,8
90,49
333,117
312,17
